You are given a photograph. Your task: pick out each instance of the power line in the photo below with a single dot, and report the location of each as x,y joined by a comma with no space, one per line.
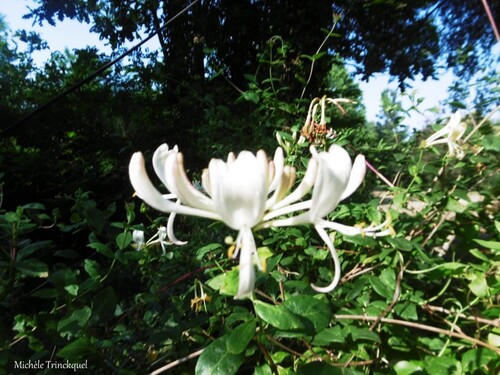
95,73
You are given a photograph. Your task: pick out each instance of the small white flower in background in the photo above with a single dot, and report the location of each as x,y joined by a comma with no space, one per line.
160,237
450,134
248,192
138,238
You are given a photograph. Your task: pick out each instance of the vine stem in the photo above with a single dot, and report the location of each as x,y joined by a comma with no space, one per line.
177,362
379,175
418,326
491,19
432,309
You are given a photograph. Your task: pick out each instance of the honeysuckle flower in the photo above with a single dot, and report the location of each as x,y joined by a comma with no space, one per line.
159,237
248,192
138,238
317,132
450,134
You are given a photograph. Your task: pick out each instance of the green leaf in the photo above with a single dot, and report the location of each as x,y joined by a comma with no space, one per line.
278,316
493,245
237,341
319,368
477,359
207,249
251,97
123,240
455,206
216,359
399,243
92,268
478,286
33,267
329,335
72,289
491,142
388,277
101,248
408,368
314,313
479,255
379,287
76,350
443,366
74,321
31,248
104,305
265,369
360,240
407,311
226,283
363,334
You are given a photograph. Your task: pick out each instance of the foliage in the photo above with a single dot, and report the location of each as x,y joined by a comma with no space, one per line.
98,299
406,38
78,284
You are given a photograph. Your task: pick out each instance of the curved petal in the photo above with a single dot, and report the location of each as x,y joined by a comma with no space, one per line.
285,184
179,184
333,176
159,157
170,230
336,278
457,131
246,282
356,178
147,192
279,165
304,187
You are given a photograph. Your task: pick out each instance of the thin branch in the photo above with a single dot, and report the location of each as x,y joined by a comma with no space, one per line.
395,297
481,123
318,51
494,323
492,20
177,362
379,175
419,326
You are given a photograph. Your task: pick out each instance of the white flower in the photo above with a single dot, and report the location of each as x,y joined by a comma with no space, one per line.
138,238
248,192
160,237
450,134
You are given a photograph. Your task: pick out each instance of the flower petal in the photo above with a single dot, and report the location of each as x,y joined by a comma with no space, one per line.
356,178
246,282
336,278
239,189
279,164
304,187
147,192
334,171
178,183
159,157
170,230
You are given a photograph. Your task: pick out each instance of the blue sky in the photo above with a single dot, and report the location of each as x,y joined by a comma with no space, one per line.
71,34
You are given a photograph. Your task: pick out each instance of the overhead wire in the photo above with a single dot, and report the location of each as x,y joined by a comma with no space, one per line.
96,73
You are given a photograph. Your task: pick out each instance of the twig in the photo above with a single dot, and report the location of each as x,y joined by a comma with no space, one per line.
445,217
177,362
379,175
481,123
491,19
494,323
418,326
395,297
312,64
